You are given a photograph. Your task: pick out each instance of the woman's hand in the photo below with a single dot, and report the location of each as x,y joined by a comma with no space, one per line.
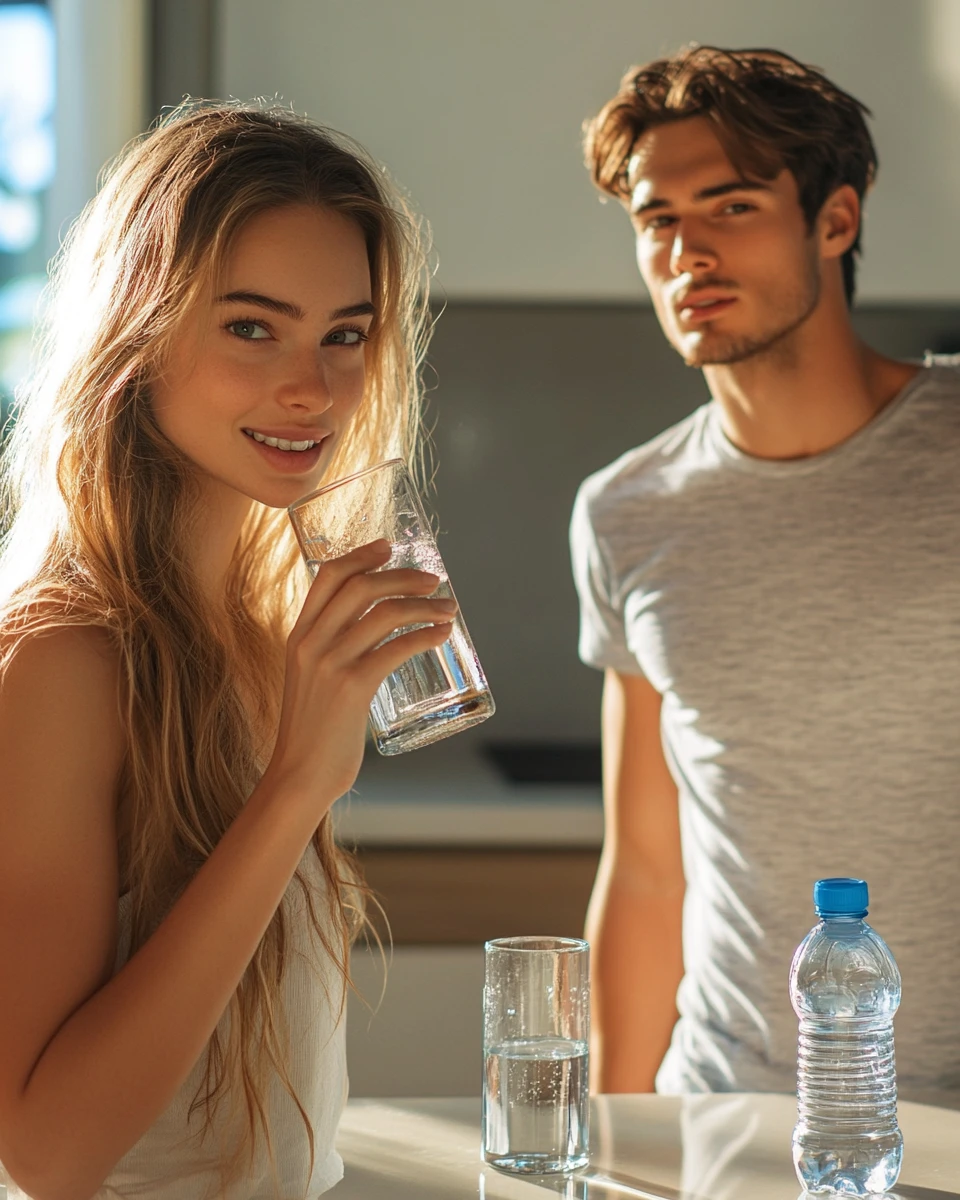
335,663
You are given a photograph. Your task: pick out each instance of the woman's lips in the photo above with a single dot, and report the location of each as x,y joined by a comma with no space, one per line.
291,462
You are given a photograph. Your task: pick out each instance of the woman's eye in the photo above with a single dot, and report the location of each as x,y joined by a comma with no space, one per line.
346,337
248,330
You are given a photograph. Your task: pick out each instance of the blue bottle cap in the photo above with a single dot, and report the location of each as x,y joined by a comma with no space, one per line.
840,897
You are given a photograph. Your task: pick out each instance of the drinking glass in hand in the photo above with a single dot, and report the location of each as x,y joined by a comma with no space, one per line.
434,694
536,1028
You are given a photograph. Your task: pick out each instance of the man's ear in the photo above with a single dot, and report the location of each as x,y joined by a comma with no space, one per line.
839,222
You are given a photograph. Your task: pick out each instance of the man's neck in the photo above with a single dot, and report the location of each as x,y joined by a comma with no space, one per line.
807,393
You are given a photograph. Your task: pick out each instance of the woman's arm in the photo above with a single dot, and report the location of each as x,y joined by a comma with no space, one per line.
89,1062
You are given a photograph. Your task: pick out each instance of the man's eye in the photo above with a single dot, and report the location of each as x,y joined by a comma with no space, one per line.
248,330
659,222
737,207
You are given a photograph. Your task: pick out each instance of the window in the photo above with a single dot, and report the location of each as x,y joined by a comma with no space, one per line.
27,164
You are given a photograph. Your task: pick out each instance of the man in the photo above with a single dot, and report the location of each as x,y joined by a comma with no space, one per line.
773,590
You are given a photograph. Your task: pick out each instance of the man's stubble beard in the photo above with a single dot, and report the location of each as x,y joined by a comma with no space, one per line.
791,313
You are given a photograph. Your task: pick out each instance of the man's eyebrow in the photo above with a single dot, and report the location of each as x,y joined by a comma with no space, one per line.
735,185
294,311
709,193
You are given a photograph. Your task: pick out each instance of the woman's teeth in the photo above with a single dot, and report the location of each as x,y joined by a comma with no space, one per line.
279,443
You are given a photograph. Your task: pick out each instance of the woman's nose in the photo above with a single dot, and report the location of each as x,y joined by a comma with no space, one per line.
306,389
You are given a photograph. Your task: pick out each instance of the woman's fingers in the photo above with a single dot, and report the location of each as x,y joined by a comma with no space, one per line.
362,593
374,667
355,607
352,585
344,644
385,619
335,572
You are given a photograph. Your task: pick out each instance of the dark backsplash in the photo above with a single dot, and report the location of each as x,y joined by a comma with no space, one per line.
526,400
546,762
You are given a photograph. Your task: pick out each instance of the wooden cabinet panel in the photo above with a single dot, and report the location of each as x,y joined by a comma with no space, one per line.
465,895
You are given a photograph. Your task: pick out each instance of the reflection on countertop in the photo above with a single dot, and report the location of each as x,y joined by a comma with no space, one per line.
705,1147
451,793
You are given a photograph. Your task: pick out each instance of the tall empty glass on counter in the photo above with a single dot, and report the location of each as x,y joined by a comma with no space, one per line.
434,694
536,1029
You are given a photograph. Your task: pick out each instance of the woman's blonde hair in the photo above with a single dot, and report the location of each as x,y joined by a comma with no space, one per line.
96,503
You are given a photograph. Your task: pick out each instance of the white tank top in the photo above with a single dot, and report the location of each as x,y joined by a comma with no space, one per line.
169,1163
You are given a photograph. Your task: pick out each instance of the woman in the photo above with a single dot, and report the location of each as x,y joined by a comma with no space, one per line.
238,313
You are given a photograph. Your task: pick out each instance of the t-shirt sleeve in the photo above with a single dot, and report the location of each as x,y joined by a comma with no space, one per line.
603,640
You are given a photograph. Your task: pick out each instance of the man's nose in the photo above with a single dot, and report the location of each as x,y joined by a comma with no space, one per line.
689,254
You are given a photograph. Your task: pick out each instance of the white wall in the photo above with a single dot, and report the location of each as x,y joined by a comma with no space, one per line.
476,106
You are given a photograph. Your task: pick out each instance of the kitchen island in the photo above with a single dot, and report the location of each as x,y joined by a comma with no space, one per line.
708,1147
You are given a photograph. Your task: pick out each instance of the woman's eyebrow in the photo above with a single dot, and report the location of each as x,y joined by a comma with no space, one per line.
284,307
294,311
363,309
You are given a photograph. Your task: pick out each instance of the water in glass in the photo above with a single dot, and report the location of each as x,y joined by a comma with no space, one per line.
535,1104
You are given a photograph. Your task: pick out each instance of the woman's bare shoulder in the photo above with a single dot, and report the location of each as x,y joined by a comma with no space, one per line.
62,678
72,644
61,747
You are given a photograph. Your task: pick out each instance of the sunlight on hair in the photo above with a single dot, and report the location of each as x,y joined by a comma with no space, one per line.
97,503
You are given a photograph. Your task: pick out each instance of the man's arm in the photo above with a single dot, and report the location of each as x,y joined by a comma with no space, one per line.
634,919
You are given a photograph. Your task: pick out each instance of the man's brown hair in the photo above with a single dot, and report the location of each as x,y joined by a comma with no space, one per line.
769,111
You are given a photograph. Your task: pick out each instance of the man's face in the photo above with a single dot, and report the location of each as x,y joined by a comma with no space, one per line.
729,262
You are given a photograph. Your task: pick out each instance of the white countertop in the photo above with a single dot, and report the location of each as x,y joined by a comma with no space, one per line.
709,1147
450,794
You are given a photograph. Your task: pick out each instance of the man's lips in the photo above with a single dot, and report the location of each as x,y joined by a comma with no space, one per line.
698,307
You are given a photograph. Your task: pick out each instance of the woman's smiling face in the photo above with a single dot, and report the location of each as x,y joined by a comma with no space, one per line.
269,369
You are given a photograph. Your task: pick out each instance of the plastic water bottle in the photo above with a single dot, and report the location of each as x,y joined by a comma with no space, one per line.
845,988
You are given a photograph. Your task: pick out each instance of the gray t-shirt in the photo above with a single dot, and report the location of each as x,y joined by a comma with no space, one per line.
801,620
